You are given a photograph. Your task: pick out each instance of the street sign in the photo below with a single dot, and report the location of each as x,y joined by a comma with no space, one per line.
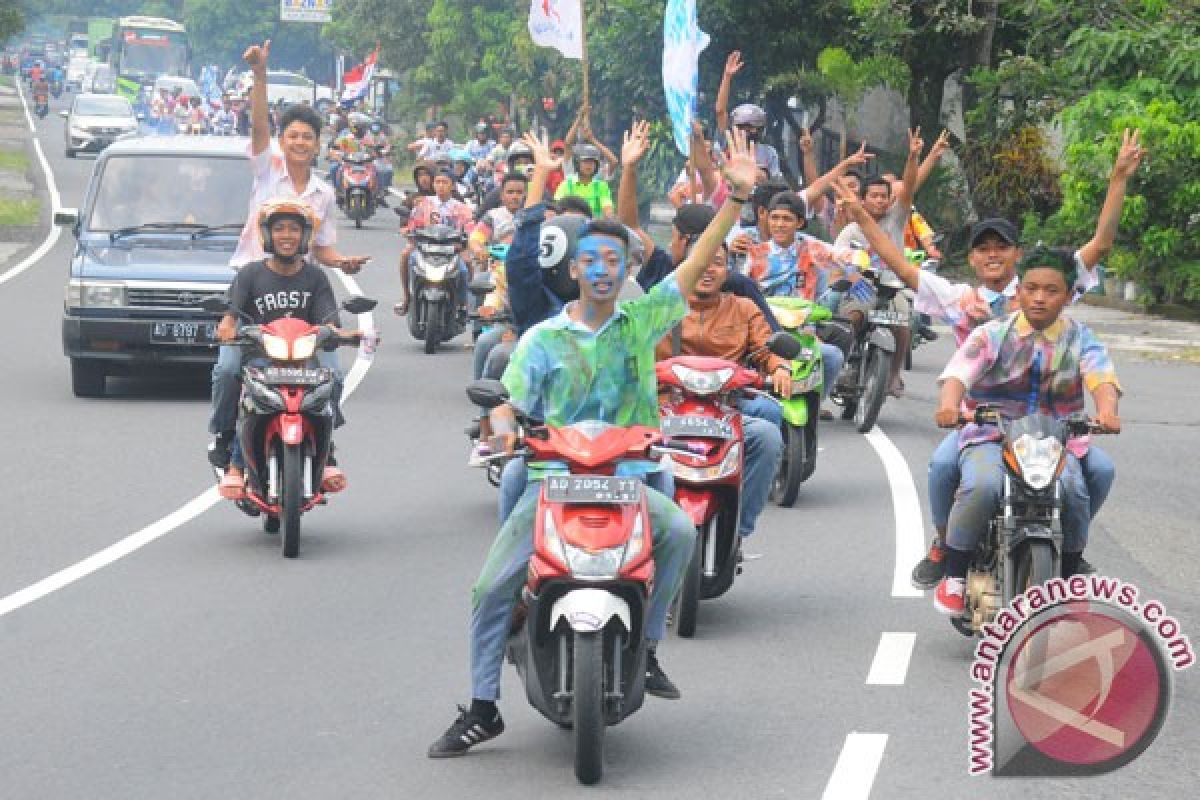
305,10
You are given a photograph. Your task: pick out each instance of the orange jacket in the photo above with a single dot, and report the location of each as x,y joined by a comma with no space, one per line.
728,327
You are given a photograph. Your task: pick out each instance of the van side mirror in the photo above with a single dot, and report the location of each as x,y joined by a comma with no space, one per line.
66,217
64,113
358,304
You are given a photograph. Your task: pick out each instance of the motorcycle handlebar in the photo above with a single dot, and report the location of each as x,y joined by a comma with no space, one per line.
1077,424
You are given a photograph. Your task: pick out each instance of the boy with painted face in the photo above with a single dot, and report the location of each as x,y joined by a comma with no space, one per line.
592,361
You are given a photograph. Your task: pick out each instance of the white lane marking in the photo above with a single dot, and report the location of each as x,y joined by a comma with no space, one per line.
890,666
854,773
910,535
55,231
186,513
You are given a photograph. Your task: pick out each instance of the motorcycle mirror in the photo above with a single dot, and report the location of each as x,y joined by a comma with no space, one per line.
216,304
784,345
402,212
481,285
841,285
358,304
66,217
487,393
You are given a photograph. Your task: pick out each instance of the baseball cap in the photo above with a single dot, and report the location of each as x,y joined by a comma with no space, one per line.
558,144
789,201
1001,227
692,219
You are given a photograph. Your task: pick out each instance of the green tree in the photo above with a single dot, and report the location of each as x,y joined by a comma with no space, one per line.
12,20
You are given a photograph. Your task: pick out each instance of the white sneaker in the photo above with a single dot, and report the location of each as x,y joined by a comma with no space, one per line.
478,453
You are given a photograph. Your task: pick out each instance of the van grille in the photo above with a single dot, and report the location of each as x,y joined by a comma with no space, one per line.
169,298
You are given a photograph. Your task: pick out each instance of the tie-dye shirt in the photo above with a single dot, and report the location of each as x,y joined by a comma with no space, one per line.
997,361
801,270
563,372
964,307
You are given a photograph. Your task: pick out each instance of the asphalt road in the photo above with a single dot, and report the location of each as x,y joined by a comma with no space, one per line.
204,665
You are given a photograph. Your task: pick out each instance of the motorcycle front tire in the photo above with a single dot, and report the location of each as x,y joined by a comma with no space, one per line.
790,474
874,389
291,497
433,328
688,602
587,706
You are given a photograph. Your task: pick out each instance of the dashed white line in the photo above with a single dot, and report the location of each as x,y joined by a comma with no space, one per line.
51,187
854,774
890,666
910,536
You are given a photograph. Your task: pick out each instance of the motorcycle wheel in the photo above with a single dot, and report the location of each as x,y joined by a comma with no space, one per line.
689,593
1035,565
874,388
790,474
587,706
358,222
433,328
810,432
292,497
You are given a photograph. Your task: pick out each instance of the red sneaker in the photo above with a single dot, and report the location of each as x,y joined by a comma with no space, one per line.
949,597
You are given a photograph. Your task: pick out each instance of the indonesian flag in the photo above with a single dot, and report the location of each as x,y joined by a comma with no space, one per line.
557,24
357,81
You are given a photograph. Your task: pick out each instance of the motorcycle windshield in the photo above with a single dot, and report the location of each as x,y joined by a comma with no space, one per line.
1038,426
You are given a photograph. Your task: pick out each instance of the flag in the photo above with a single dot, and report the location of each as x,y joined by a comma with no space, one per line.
357,81
683,42
128,89
557,24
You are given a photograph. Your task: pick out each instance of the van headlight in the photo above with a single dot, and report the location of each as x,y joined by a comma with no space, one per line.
81,294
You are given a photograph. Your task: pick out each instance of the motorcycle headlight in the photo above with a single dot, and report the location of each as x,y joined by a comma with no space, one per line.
275,347
702,382
435,272
727,467
304,347
602,565
1038,459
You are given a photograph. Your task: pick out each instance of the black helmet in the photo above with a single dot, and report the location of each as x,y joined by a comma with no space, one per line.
560,238
586,152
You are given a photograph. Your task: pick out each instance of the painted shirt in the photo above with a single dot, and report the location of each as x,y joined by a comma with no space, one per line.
1009,364
801,270
964,307
480,150
431,211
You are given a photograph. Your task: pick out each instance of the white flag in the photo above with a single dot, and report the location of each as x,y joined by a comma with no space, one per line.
683,41
557,24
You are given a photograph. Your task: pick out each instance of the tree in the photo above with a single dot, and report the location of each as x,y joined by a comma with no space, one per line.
12,20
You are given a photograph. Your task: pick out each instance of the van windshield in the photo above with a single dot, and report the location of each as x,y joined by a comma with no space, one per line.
189,190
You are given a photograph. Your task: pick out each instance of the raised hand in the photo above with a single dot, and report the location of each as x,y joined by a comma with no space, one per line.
733,63
847,199
1129,156
256,55
941,144
741,168
542,157
855,159
805,141
635,143
916,145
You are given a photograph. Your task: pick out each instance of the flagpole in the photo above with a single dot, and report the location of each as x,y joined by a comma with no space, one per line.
584,57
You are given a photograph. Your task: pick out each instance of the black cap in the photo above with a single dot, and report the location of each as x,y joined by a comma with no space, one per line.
693,218
789,201
1001,227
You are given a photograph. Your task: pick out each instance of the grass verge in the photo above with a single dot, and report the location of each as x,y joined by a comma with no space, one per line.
13,160
19,212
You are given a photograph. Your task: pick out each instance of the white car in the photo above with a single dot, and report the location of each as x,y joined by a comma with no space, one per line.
97,120
77,71
291,88
100,79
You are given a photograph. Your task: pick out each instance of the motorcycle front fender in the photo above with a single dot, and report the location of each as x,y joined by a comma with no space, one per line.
433,294
883,339
590,610
699,504
795,411
291,428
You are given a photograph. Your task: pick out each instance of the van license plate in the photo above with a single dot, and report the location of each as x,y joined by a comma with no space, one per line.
184,332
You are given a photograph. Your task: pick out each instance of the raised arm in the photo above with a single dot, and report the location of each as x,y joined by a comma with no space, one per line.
573,133
543,164
702,161
634,145
1129,157
733,65
880,242
940,146
817,188
586,131
809,157
260,122
909,183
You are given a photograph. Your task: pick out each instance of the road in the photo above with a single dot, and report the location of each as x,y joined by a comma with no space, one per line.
204,665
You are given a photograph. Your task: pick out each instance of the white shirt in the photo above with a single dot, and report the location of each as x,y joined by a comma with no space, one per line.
432,149
271,182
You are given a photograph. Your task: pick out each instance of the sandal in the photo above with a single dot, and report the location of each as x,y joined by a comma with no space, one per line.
232,486
333,480
400,309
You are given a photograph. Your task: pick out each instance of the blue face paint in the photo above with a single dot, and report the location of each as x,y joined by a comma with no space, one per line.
596,251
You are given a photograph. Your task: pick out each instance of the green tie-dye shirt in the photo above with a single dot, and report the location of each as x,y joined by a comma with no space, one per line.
562,372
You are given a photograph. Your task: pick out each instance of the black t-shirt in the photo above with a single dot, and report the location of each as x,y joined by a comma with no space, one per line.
266,296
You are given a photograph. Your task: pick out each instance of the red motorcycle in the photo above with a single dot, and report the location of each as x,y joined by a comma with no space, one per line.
577,638
285,422
359,186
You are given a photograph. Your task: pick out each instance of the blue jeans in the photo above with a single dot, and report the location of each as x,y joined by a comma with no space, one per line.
227,387
982,485
504,572
761,419
832,359
483,348
1099,472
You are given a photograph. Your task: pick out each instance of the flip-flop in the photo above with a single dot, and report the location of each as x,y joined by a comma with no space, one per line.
400,309
232,487
333,480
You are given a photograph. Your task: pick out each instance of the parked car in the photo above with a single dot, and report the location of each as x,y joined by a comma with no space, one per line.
95,121
154,237
100,79
77,70
291,88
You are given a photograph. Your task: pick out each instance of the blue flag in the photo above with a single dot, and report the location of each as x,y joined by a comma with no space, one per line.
682,43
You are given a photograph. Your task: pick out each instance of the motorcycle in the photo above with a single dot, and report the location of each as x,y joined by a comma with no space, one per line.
56,88
434,317
701,420
41,105
285,421
802,410
868,362
578,634
359,187
1023,544
922,332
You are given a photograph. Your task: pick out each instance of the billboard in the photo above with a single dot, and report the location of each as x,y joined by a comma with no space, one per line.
305,10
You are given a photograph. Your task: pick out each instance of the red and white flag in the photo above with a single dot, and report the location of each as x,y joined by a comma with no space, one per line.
357,81
557,24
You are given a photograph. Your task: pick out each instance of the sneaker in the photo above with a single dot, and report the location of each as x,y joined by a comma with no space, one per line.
479,454
218,449
948,598
927,333
928,572
466,732
657,682
1085,568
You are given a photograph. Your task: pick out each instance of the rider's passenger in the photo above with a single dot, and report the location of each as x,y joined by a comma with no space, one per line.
1034,361
613,345
587,183
441,208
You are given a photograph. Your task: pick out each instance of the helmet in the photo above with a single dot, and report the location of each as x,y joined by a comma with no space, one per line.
585,152
273,210
560,237
749,114
518,150
459,154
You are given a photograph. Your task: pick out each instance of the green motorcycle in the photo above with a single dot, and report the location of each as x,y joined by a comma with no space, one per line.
802,410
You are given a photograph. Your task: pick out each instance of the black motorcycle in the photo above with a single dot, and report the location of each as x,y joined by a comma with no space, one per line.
436,283
1023,544
863,384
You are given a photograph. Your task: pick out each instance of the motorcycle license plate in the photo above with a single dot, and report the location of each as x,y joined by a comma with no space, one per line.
184,332
706,427
294,376
592,489
889,317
